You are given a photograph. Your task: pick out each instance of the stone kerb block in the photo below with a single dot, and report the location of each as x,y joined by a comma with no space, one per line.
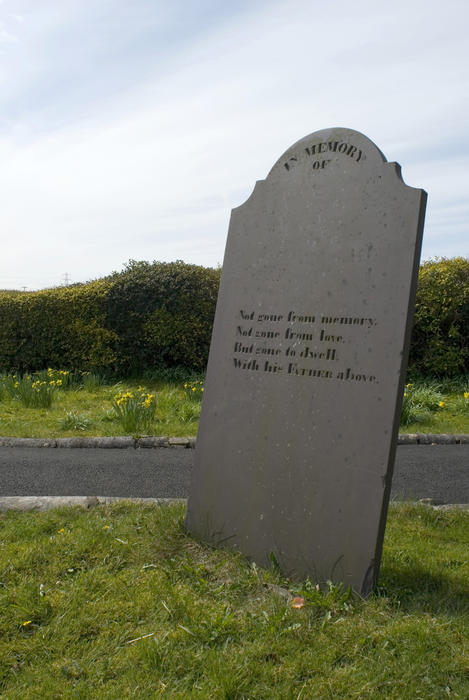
307,363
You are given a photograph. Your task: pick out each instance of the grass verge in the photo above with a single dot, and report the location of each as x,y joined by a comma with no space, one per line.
89,406
89,411
119,602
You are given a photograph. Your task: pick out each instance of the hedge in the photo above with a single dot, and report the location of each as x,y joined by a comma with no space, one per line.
148,316
440,337
160,315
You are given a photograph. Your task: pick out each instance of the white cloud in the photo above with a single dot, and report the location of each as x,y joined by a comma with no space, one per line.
152,169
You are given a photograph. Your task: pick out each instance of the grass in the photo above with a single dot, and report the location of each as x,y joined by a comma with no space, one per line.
89,405
89,409
120,602
436,407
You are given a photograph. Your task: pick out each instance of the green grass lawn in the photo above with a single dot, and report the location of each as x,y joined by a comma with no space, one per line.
86,408
119,602
89,412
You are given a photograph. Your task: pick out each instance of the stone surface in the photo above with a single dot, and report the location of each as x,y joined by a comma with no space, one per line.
149,441
305,377
407,439
110,442
443,439
424,439
45,502
179,442
42,503
462,439
27,442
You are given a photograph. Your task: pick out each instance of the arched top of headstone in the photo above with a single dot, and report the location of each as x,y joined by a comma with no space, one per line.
337,144
330,156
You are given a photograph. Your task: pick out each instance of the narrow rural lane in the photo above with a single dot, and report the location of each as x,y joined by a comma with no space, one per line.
440,472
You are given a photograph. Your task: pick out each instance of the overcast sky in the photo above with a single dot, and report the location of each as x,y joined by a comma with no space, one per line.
129,129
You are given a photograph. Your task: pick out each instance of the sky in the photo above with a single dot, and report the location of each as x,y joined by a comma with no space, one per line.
129,129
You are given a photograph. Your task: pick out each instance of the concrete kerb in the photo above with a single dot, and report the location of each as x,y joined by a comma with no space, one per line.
150,442
100,442
44,503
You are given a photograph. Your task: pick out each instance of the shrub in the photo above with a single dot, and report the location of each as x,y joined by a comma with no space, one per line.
151,316
63,327
162,314
440,337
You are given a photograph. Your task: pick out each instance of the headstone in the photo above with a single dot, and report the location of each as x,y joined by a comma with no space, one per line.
305,378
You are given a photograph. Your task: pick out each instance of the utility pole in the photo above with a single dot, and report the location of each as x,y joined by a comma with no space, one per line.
67,279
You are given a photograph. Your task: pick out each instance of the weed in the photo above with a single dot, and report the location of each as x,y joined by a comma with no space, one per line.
188,411
75,421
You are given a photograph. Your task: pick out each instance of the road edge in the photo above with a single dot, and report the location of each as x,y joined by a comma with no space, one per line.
44,503
151,442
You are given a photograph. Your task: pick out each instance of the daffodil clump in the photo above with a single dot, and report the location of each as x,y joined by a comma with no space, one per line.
194,390
7,385
59,375
419,403
135,409
35,393
462,403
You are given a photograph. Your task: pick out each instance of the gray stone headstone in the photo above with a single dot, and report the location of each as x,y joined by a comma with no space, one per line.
305,378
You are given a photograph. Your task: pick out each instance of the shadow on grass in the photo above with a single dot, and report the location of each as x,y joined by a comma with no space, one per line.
414,588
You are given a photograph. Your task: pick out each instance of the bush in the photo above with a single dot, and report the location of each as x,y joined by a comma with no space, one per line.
152,319
151,316
163,314
440,337
65,327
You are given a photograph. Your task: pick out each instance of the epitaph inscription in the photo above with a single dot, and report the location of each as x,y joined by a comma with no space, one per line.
307,362
294,340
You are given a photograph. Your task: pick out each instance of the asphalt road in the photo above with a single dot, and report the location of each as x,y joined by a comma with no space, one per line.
440,472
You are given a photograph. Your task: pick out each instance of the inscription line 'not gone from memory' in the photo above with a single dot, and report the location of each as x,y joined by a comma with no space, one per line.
307,363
